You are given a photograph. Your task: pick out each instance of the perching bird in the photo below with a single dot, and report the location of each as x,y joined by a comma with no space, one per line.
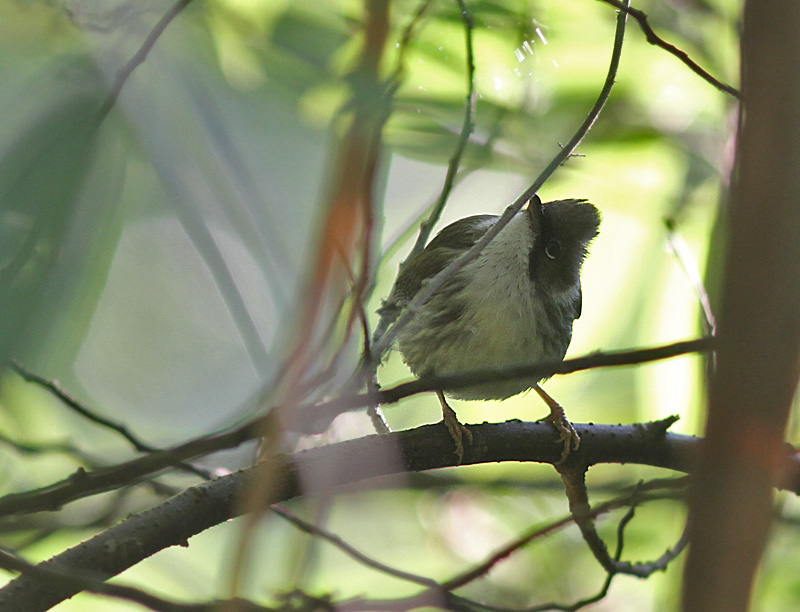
513,305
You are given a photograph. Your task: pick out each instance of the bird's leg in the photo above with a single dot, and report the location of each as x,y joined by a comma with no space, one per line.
456,429
559,419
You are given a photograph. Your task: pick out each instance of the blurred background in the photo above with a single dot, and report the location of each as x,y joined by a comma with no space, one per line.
152,261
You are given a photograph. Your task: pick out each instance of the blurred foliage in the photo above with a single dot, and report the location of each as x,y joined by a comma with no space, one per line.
152,259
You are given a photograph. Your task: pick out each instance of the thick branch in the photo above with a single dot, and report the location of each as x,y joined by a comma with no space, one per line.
429,447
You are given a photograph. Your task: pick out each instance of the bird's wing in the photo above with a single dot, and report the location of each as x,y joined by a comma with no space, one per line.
448,245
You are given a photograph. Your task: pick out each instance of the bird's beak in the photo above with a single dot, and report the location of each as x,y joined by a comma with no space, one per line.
536,213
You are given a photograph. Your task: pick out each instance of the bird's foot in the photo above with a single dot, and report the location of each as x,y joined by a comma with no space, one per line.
457,431
566,433
558,418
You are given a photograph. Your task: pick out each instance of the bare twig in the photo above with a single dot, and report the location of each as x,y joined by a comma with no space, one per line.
506,551
316,417
86,581
573,476
124,73
83,483
63,448
350,550
633,499
680,249
356,312
655,39
467,127
444,589
54,387
442,593
405,41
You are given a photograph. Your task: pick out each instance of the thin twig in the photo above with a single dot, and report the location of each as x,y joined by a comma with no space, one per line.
444,591
317,417
634,498
404,42
124,73
680,249
54,387
350,550
83,483
432,285
655,39
327,373
578,496
85,581
467,127
62,448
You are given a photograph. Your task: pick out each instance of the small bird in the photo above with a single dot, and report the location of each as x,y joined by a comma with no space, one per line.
513,305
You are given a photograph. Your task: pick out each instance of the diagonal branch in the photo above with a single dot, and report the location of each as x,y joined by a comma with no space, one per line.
564,153
54,387
351,551
467,127
655,39
89,583
124,73
443,592
573,476
506,551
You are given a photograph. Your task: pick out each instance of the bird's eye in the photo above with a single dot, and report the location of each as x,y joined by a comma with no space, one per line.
552,249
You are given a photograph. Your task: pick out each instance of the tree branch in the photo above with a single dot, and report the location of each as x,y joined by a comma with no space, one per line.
124,73
655,39
316,418
86,483
429,447
54,387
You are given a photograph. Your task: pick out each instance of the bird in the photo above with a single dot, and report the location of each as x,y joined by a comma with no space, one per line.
514,304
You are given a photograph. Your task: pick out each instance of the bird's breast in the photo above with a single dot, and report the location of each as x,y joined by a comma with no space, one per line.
489,315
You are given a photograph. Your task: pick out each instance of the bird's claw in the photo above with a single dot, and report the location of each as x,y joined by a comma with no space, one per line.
567,434
458,432
558,418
